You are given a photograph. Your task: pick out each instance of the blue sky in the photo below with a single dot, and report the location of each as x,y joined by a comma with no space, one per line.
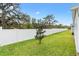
61,11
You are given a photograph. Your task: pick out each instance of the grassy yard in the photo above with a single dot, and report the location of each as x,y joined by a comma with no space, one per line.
60,44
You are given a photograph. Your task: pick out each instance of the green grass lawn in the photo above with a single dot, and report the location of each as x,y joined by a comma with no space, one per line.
60,44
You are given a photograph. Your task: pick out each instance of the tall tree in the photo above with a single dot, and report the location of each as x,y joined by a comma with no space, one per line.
34,23
8,10
49,20
25,18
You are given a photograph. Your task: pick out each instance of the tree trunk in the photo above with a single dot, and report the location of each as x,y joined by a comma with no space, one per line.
39,41
3,20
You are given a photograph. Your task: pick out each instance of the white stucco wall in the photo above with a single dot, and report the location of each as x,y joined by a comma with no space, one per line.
8,36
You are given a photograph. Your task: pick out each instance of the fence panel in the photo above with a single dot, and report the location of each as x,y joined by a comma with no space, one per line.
8,36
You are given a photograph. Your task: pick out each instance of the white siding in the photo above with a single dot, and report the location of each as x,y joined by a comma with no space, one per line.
76,27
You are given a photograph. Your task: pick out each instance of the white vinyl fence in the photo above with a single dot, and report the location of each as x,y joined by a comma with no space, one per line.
8,36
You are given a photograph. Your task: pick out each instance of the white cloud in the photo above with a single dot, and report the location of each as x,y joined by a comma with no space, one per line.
37,12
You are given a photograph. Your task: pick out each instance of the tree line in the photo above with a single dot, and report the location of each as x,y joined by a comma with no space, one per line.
11,17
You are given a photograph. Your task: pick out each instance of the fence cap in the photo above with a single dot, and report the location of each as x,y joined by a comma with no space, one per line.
75,7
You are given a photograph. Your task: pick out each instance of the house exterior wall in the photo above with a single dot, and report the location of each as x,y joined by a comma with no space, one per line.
8,36
75,17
